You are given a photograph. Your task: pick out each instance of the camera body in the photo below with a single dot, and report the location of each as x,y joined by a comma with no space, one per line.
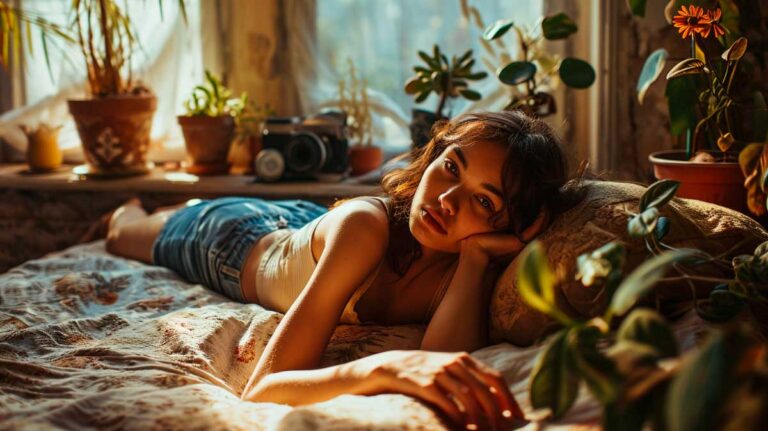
298,149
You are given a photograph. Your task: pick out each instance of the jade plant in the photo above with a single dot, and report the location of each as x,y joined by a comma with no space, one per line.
635,369
532,74
447,79
213,99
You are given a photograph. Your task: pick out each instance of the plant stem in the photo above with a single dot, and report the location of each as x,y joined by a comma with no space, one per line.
688,140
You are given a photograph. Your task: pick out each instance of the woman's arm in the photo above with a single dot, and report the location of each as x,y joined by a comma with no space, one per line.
301,337
459,323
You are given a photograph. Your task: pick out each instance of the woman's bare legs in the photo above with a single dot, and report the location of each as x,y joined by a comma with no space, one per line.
132,232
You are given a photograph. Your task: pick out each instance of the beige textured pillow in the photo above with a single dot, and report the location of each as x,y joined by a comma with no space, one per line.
602,217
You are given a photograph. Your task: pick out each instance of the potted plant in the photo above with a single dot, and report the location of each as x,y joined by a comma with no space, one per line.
353,99
531,74
249,126
628,357
719,108
447,79
114,122
209,125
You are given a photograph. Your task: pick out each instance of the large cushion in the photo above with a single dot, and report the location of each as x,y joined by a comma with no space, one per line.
602,217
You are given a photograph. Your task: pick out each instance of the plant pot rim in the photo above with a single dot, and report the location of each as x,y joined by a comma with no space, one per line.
676,158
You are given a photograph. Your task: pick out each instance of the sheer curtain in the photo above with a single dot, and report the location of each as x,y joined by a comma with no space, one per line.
382,39
168,60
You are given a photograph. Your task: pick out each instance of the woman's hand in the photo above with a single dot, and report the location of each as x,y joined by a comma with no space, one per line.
473,395
495,246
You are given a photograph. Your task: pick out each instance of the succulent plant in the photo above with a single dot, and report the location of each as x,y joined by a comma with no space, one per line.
445,78
214,99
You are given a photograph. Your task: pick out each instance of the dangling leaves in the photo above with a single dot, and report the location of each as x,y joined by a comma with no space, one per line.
554,382
644,223
658,194
651,71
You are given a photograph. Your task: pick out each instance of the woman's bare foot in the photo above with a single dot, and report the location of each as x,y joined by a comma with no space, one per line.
130,211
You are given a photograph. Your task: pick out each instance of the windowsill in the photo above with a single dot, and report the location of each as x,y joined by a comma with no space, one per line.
16,176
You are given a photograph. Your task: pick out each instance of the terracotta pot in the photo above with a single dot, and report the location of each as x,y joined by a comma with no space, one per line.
720,183
114,132
364,159
207,140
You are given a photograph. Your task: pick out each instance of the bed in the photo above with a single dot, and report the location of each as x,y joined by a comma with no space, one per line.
92,340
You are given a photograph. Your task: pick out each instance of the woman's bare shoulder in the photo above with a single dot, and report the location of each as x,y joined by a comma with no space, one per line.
365,218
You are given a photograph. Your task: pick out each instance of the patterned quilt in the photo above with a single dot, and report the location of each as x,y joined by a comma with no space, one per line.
90,340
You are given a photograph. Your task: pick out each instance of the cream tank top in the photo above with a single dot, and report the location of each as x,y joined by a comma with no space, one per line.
286,266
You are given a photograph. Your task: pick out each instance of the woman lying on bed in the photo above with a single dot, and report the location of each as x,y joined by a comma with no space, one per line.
422,253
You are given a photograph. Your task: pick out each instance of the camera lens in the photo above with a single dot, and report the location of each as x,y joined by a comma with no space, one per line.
305,153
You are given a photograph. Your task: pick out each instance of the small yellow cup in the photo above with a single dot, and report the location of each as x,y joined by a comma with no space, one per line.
43,152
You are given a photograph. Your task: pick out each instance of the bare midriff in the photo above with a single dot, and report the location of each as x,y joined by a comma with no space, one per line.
251,264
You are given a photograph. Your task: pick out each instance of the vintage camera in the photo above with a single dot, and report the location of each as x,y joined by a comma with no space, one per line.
311,148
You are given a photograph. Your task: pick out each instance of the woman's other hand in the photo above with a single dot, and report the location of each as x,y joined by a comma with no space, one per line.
472,394
495,246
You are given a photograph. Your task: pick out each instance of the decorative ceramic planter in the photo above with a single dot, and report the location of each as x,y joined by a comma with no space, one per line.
720,183
208,140
364,159
114,132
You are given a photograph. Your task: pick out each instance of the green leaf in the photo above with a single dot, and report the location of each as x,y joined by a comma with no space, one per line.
471,94
598,372
535,280
662,228
658,194
642,279
576,73
517,72
497,29
689,66
644,223
651,71
698,392
646,326
637,7
605,263
433,65
558,26
417,85
554,384
681,97
422,96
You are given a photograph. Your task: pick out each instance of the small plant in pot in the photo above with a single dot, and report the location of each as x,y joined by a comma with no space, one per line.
447,79
364,157
532,73
249,126
114,122
209,126
718,106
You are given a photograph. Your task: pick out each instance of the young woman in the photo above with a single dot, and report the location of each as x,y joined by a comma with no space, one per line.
422,253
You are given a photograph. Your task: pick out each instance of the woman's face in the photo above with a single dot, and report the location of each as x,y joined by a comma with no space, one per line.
457,196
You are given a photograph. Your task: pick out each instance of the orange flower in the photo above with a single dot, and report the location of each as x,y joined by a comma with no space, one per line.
711,23
689,20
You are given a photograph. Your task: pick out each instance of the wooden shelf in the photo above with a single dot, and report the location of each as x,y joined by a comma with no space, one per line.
17,176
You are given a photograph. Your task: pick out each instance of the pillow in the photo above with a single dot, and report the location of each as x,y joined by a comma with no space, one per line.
602,217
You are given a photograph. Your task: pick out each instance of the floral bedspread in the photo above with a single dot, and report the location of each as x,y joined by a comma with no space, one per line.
90,340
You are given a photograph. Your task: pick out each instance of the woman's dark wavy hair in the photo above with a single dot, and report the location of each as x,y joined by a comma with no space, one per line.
534,174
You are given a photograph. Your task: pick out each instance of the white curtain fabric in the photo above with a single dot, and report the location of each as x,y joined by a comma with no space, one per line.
168,60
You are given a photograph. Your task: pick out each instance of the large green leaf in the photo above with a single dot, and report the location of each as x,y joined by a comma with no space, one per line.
517,72
699,391
649,327
637,7
497,29
642,279
576,73
535,281
558,26
682,95
658,194
651,71
598,372
554,383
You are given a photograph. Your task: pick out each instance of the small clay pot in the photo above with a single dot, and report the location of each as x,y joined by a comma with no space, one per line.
207,141
364,159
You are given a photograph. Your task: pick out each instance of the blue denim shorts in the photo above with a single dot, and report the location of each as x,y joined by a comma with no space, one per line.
207,243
